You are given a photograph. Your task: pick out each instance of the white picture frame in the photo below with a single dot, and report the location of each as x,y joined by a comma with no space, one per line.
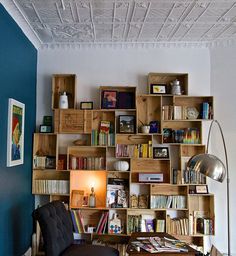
15,133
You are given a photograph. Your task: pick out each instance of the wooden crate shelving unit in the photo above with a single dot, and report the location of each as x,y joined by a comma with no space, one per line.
146,108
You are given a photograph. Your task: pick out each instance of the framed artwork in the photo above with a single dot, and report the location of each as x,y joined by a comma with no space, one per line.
126,124
109,99
201,189
15,133
86,105
158,88
160,152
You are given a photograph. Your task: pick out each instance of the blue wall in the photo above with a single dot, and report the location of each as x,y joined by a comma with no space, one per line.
18,67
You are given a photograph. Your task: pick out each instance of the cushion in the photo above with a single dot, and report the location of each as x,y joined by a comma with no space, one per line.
89,250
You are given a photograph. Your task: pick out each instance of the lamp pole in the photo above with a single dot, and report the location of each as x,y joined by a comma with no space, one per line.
227,179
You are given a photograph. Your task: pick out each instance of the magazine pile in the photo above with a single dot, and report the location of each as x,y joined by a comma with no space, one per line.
156,244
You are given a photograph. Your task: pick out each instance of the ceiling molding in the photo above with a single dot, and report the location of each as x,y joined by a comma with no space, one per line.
139,45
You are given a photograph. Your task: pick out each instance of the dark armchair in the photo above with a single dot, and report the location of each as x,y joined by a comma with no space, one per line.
57,231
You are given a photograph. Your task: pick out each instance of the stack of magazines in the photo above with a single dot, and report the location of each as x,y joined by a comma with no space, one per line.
156,244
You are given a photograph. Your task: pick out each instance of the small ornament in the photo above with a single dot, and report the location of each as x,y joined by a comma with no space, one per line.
115,225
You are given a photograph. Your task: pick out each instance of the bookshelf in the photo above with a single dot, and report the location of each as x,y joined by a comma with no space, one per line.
67,168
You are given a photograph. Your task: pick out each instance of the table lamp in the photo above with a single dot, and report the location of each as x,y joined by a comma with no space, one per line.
212,167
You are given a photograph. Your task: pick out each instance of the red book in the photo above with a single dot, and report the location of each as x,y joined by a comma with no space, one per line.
103,223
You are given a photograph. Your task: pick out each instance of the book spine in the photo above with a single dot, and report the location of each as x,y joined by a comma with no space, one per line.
74,221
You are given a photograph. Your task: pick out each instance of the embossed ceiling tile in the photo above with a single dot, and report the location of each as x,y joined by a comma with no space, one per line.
103,32
133,31
228,32
149,31
198,31
121,12
50,16
66,33
45,35
83,11
118,32
157,15
139,12
30,13
102,15
178,11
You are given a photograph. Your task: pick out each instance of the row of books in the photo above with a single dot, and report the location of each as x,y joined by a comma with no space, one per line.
87,163
206,111
168,201
200,223
78,222
170,112
205,226
134,151
145,223
177,226
186,135
192,177
188,177
102,139
51,186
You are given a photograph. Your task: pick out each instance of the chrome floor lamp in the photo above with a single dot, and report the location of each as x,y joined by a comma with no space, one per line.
212,167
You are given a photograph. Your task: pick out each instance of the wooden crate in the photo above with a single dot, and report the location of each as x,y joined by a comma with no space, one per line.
167,78
150,166
63,83
72,121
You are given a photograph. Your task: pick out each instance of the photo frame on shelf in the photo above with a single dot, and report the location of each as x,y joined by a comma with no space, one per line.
109,99
15,133
86,105
158,89
45,128
126,124
160,152
201,189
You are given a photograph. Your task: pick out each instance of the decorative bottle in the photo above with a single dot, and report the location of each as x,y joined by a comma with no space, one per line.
92,198
63,102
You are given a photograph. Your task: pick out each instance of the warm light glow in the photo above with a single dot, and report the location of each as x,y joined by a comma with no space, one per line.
84,180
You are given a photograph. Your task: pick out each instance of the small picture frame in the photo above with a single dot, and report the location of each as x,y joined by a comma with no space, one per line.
201,189
149,225
158,89
45,128
160,152
109,99
126,124
86,105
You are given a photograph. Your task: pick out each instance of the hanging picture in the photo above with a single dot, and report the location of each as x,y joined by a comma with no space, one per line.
15,133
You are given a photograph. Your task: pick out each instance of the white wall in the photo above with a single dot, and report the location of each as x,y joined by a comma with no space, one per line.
106,66
223,88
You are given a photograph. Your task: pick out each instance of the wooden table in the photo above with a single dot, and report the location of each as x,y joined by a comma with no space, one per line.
132,251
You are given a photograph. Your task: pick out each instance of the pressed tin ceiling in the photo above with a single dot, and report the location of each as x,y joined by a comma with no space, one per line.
78,22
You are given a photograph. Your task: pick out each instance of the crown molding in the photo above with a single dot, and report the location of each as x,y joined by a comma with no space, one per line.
124,45
21,20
